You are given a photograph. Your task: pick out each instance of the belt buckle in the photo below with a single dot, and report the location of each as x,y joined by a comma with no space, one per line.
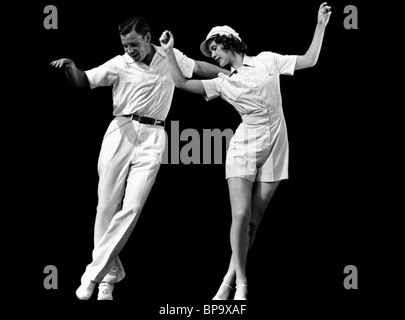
154,121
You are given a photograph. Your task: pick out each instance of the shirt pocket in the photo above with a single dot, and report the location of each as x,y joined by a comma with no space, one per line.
271,71
268,77
233,90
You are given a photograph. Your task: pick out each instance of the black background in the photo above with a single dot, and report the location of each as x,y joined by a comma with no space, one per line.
338,207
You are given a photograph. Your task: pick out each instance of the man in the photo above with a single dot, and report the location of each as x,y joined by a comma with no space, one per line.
132,148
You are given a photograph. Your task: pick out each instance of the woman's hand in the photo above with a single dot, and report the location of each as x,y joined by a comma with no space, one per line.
324,14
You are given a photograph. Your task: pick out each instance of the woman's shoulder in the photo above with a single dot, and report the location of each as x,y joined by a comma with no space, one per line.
265,55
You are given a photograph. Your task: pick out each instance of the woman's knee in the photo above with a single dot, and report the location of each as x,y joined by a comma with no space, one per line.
241,215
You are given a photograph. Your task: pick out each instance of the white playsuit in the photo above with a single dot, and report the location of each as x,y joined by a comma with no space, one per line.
258,151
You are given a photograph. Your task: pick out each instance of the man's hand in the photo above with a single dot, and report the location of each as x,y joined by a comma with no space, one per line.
324,14
62,63
76,76
166,40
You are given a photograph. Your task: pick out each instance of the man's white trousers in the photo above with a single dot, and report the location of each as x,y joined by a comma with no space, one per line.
130,157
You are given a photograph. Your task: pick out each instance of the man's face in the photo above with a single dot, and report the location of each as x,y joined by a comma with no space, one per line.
136,45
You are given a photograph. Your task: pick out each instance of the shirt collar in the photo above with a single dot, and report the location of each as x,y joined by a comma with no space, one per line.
247,61
127,58
160,51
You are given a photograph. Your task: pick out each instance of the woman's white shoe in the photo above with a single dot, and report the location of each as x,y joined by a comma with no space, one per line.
240,294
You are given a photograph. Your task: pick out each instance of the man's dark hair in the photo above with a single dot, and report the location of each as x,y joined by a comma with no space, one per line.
229,42
136,23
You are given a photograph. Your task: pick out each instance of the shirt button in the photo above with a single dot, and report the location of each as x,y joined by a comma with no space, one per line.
254,85
257,93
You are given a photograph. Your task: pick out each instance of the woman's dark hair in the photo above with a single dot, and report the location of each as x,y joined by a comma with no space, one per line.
229,42
136,23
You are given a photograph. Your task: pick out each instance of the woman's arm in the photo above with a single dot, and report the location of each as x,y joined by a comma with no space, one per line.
311,56
194,86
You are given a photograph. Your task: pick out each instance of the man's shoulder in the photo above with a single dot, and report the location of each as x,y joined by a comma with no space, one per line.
116,62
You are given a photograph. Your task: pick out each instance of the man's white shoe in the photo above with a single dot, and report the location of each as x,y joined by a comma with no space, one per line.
105,290
85,290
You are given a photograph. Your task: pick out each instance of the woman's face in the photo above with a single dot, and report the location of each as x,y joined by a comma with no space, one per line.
219,54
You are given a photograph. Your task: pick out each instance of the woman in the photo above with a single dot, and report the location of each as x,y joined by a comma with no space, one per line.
257,158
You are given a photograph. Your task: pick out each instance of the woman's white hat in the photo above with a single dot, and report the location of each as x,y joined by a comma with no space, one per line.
219,30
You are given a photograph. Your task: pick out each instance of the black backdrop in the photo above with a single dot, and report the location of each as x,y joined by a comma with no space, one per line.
335,210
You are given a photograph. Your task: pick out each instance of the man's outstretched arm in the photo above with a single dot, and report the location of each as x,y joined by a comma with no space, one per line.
208,70
76,76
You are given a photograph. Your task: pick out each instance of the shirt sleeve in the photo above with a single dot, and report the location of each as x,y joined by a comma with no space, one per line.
185,63
285,64
104,75
212,88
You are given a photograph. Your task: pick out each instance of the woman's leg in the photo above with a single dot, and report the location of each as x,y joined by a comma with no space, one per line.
240,194
261,196
228,281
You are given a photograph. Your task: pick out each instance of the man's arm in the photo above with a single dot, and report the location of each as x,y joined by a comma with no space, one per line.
311,56
207,70
194,86
76,76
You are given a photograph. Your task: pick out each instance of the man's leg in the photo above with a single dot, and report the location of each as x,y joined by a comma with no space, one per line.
113,164
143,168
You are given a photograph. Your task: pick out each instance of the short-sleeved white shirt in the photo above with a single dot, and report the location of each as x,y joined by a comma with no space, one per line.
254,88
138,88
